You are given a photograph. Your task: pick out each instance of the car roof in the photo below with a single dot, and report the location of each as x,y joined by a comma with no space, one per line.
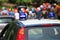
7,16
42,21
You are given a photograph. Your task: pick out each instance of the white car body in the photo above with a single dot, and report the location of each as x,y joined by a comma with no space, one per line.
42,21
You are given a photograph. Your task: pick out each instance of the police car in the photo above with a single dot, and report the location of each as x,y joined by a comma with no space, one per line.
44,29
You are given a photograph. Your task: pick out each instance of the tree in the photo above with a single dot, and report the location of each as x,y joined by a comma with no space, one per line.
12,1
3,0
18,1
27,1
50,1
37,3
23,2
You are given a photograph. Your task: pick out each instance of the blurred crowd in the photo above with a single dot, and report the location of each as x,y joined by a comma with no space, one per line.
45,11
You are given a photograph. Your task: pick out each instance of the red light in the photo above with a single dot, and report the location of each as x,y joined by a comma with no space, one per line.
47,25
20,34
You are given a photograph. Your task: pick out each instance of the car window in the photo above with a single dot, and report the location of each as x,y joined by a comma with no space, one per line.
44,33
5,20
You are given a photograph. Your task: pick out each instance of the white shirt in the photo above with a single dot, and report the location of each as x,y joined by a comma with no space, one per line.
16,15
49,6
39,8
30,12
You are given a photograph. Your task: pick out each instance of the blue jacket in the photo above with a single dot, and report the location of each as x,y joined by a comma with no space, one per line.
22,14
51,14
11,13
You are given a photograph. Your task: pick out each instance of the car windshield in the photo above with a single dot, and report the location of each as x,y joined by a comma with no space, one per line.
5,20
44,33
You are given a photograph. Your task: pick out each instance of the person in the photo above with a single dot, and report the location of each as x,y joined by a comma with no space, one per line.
4,11
11,13
33,10
58,15
22,15
58,11
51,14
25,11
38,13
44,13
16,15
33,13
30,15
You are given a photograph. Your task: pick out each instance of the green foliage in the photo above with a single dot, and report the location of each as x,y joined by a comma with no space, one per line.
4,6
3,0
27,1
18,1
23,1
41,1
38,1
58,3
12,1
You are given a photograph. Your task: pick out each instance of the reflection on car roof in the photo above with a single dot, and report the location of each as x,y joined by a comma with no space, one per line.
42,21
7,16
